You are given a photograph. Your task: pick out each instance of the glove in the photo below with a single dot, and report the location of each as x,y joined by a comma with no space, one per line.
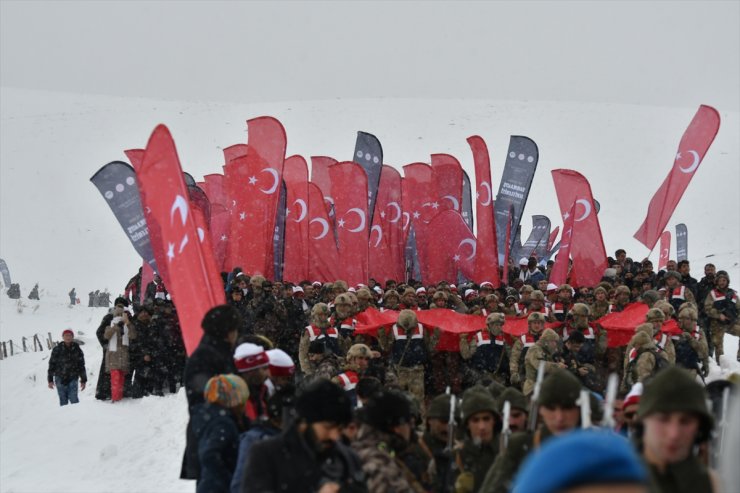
705,368
515,379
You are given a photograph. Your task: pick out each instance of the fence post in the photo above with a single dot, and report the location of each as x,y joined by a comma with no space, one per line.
49,342
23,342
5,350
36,342
11,346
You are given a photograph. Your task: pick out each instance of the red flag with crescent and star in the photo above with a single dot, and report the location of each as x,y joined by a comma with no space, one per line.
349,189
192,277
587,244
486,260
447,180
453,250
416,190
220,215
323,257
665,250
559,273
295,174
386,233
253,183
320,177
694,144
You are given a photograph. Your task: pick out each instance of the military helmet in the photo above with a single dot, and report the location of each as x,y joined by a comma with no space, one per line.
440,407
674,274
391,293
537,295
439,295
526,289
549,335
359,350
477,400
646,328
689,312
320,310
565,287
495,389
675,390
560,388
409,291
580,309
343,299
495,318
650,297
536,317
655,315
515,398
601,289
665,307
339,284
491,297
622,289
364,293
407,319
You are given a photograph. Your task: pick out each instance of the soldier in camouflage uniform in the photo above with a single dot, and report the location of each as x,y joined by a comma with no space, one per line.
320,329
385,432
642,360
559,413
722,306
409,343
535,326
691,345
545,350
434,441
479,450
485,351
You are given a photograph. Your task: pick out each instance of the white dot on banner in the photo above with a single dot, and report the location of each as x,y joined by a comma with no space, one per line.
376,160
367,157
130,180
521,157
359,153
530,159
108,195
119,188
512,154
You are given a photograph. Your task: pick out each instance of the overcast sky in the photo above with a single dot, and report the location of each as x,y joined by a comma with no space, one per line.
658,53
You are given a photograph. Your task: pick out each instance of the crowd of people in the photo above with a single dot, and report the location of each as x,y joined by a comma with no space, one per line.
281,369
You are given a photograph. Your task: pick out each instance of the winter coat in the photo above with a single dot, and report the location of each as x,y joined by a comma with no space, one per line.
289,463
218,442
384,472
118,359
68,363
257,433
102,389
212,357
268,315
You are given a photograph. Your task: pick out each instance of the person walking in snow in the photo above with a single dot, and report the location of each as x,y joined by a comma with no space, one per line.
66,365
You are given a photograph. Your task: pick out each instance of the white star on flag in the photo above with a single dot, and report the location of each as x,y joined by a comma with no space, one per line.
435,205
569,232
417,215
382,214
252,180
223,237
242,216
566,215
170,251
340,223
456,258
678,156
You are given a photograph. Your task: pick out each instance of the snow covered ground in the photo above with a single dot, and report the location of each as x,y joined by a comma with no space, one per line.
57,230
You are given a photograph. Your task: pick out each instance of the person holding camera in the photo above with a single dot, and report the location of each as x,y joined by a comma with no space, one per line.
119,334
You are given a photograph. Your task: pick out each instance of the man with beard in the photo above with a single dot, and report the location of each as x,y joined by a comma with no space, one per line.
435,439
385,432
518,410
308,456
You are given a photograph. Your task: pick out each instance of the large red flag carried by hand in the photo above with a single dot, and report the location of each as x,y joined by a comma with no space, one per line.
486,259
253,183
192,276
295,174
587,244
349,189
559,274
323,257
386,234
665,250
691,150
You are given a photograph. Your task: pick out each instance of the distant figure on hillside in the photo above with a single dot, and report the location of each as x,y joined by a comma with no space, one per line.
104,299
93,297
34,294
14,291
72,296
66,365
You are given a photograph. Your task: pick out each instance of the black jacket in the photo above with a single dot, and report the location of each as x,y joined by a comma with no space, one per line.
212,357
68,363
289,462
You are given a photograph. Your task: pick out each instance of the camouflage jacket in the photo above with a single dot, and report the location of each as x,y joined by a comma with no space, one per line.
383,471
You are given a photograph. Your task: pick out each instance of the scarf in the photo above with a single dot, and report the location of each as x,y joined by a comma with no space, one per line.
113,343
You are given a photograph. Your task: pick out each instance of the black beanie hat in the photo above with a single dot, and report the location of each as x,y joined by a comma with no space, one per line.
220,320
322,400
386,409
121,301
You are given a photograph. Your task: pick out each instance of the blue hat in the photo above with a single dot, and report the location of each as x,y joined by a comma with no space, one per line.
580,458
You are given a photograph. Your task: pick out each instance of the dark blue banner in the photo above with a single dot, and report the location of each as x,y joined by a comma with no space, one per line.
278,238
536,244
369,155
5,273
682,242
467,202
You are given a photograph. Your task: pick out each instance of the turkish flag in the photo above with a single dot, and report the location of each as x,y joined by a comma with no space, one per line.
320,176
453,248
387,235
253,184
486,260
349,189
323,256
620,326
416,190
665,250
215,189
295,174
551,239
559,273
192,279
447,179
691,150
587,244
213,185
235,151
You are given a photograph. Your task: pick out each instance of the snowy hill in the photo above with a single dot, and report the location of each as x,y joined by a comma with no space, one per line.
58,231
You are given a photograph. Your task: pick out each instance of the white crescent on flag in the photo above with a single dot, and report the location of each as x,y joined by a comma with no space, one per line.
276,180
587,212
380,234
487,186
324,225
361,214
398,211
304,210
694,165
471,242
455,203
